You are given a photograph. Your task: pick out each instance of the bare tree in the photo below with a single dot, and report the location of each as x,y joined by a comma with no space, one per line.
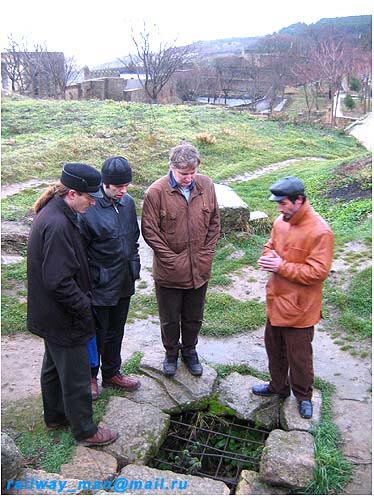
158,61
190,83
14,65
362,67
278,55
332,56
61,72
37,72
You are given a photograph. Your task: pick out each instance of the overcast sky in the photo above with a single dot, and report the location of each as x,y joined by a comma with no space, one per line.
95,32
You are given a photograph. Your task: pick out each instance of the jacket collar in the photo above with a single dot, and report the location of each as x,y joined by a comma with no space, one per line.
107,202
69,213
301,213
174,184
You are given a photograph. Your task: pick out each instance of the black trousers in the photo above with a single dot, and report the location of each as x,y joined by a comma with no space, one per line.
290,356
110,324
181,316
66,391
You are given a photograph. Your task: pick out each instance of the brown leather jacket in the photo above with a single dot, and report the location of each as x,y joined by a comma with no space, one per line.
306,245
182,235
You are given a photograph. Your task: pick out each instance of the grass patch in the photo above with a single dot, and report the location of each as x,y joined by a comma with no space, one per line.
16,271
40,135
333,470
17,207
353,305
349,220
225,315
131,366
142,306
13,315
13,305
250,246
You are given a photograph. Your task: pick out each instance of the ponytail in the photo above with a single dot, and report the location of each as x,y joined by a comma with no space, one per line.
59,189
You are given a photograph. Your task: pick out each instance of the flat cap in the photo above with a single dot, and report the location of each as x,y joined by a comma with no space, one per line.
82,178
286,187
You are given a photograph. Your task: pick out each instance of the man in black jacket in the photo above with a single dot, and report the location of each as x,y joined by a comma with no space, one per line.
59,303
111,232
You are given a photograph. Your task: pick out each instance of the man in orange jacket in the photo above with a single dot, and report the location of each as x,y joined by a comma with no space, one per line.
299,256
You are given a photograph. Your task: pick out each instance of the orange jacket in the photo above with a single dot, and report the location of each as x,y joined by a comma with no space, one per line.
182,235
306,245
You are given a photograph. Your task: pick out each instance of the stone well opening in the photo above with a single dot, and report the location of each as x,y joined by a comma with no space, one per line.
206,445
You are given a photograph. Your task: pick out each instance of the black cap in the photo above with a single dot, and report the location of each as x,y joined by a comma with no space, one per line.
286,187
116,171
82,178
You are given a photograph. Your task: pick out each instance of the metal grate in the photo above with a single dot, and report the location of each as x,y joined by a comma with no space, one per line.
211,446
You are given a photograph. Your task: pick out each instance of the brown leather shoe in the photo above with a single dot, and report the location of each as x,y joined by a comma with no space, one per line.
103,436
123,382
94,389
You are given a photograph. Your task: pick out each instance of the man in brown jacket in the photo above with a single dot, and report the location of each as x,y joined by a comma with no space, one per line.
299,256
180,222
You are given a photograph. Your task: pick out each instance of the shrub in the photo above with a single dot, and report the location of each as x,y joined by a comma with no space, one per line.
354,84
349,102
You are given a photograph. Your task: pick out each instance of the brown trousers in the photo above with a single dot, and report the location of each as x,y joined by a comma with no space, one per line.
181,316
290,355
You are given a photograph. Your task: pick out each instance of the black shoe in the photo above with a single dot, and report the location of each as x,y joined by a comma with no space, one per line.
169,365
264,391
306,409
193,364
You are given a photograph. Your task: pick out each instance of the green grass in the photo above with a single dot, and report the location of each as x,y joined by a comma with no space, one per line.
223,265
333,471
349,220
225,315
353,305
39,136
142,306
12,210
13,315
131,366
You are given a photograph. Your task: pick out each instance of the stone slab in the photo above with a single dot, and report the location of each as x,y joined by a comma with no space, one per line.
168,483
235,391
290,418
90,464
154,393
183,388
288,459
250,483
142,429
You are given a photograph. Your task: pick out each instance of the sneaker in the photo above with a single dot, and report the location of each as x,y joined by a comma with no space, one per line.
123,382
169,366
193,364
103,436
94,389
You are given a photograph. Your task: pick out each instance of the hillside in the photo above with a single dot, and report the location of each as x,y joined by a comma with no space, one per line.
357,26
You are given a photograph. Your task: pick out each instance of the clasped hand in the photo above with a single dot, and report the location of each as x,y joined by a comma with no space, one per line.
270,262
